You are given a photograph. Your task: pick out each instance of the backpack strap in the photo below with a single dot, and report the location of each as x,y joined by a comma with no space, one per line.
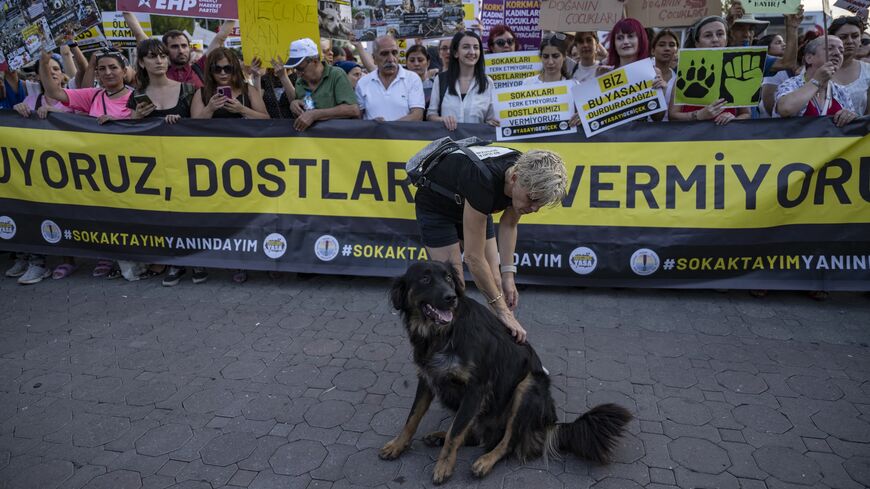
38,101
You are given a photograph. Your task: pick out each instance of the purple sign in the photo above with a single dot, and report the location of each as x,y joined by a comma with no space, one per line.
522,17
491,14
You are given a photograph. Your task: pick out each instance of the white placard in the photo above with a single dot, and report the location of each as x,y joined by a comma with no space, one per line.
510,69
622,95
531,111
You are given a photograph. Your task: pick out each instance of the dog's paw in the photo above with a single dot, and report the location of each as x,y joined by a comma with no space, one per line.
443,471
435,439
482,466
392,449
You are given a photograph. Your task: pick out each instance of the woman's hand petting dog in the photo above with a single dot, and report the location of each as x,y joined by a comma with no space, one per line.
507,318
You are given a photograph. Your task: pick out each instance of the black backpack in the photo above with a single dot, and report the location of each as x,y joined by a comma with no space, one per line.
419,165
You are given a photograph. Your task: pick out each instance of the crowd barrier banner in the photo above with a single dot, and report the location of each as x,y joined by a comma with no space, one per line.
767,204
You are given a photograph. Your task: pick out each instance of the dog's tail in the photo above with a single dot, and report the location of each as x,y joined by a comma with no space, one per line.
592,435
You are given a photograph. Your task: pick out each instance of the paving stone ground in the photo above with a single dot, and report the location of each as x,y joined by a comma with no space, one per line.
295,383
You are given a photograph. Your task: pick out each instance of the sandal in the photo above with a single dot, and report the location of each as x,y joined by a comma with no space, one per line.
818,295
63,271
240,276
114,273
103,268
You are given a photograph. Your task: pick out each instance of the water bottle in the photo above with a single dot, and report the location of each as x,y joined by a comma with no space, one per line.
308,101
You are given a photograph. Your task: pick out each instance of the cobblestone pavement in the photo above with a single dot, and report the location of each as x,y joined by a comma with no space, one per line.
294,383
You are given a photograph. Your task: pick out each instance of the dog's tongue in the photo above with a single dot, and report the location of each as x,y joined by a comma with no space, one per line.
438,315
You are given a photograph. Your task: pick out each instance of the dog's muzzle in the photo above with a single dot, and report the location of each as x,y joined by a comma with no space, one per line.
440,316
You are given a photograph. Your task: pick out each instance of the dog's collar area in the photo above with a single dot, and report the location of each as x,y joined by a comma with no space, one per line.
440,316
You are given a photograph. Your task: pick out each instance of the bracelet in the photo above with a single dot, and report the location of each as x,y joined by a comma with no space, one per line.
508,269
493,301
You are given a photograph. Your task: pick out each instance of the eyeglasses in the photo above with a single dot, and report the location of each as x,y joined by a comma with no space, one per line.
222,69
301,66
504,42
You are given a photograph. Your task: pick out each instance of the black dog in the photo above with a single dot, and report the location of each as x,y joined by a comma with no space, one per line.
497,388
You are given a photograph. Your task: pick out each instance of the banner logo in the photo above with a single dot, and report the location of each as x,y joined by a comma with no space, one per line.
7,227
644,262
274,246
583,260
51,232
326,248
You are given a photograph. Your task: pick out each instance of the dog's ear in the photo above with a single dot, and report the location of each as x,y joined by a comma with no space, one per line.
458,281
399,293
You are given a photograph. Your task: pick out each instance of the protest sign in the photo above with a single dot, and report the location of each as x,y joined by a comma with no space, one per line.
522,17
470,13
510,69
623,95
91,40
491,14
530,111
706,75
670,13
407,18
268,26
771,6
201,9
580,15
29,26
334,17
119,33
852,5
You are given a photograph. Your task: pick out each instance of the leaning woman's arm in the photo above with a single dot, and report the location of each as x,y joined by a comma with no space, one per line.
507,243
474,230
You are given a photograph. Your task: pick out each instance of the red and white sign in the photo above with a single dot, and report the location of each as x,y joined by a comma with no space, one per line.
205,9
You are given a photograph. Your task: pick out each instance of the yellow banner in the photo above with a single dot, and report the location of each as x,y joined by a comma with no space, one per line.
676,184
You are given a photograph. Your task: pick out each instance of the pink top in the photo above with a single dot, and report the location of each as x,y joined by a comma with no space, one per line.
95,102
31,103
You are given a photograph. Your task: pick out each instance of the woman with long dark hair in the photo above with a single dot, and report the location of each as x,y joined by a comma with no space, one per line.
225,93
463,94
157,95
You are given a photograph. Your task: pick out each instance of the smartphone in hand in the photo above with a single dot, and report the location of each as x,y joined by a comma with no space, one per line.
142,98
225,91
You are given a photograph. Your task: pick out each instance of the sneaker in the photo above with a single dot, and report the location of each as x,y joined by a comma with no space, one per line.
18,268
171,279
199,275
34,274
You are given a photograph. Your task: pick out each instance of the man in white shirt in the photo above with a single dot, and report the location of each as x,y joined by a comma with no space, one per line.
390,93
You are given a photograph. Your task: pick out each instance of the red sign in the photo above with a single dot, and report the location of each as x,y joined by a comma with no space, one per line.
206,9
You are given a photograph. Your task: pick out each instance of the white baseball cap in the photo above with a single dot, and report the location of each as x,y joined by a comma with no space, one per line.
299,50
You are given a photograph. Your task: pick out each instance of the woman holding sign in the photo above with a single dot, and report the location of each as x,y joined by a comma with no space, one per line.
709,32
553,67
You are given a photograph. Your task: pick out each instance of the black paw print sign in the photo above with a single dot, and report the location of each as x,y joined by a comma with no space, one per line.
697,80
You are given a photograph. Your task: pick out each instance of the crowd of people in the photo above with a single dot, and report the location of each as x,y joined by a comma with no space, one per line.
805,75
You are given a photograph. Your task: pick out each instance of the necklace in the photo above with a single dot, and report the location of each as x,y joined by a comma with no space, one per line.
112,94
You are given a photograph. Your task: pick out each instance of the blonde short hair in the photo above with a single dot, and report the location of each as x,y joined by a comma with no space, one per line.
543,174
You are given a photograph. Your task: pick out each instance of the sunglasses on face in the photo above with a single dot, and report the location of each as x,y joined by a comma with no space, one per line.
504,42
222,69
301,66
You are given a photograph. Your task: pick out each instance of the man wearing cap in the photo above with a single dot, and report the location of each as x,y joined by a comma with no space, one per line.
390,93
323,91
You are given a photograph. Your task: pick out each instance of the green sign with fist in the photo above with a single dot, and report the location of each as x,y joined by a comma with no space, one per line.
734,74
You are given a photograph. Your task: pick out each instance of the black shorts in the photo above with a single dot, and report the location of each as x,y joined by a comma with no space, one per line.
438,230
